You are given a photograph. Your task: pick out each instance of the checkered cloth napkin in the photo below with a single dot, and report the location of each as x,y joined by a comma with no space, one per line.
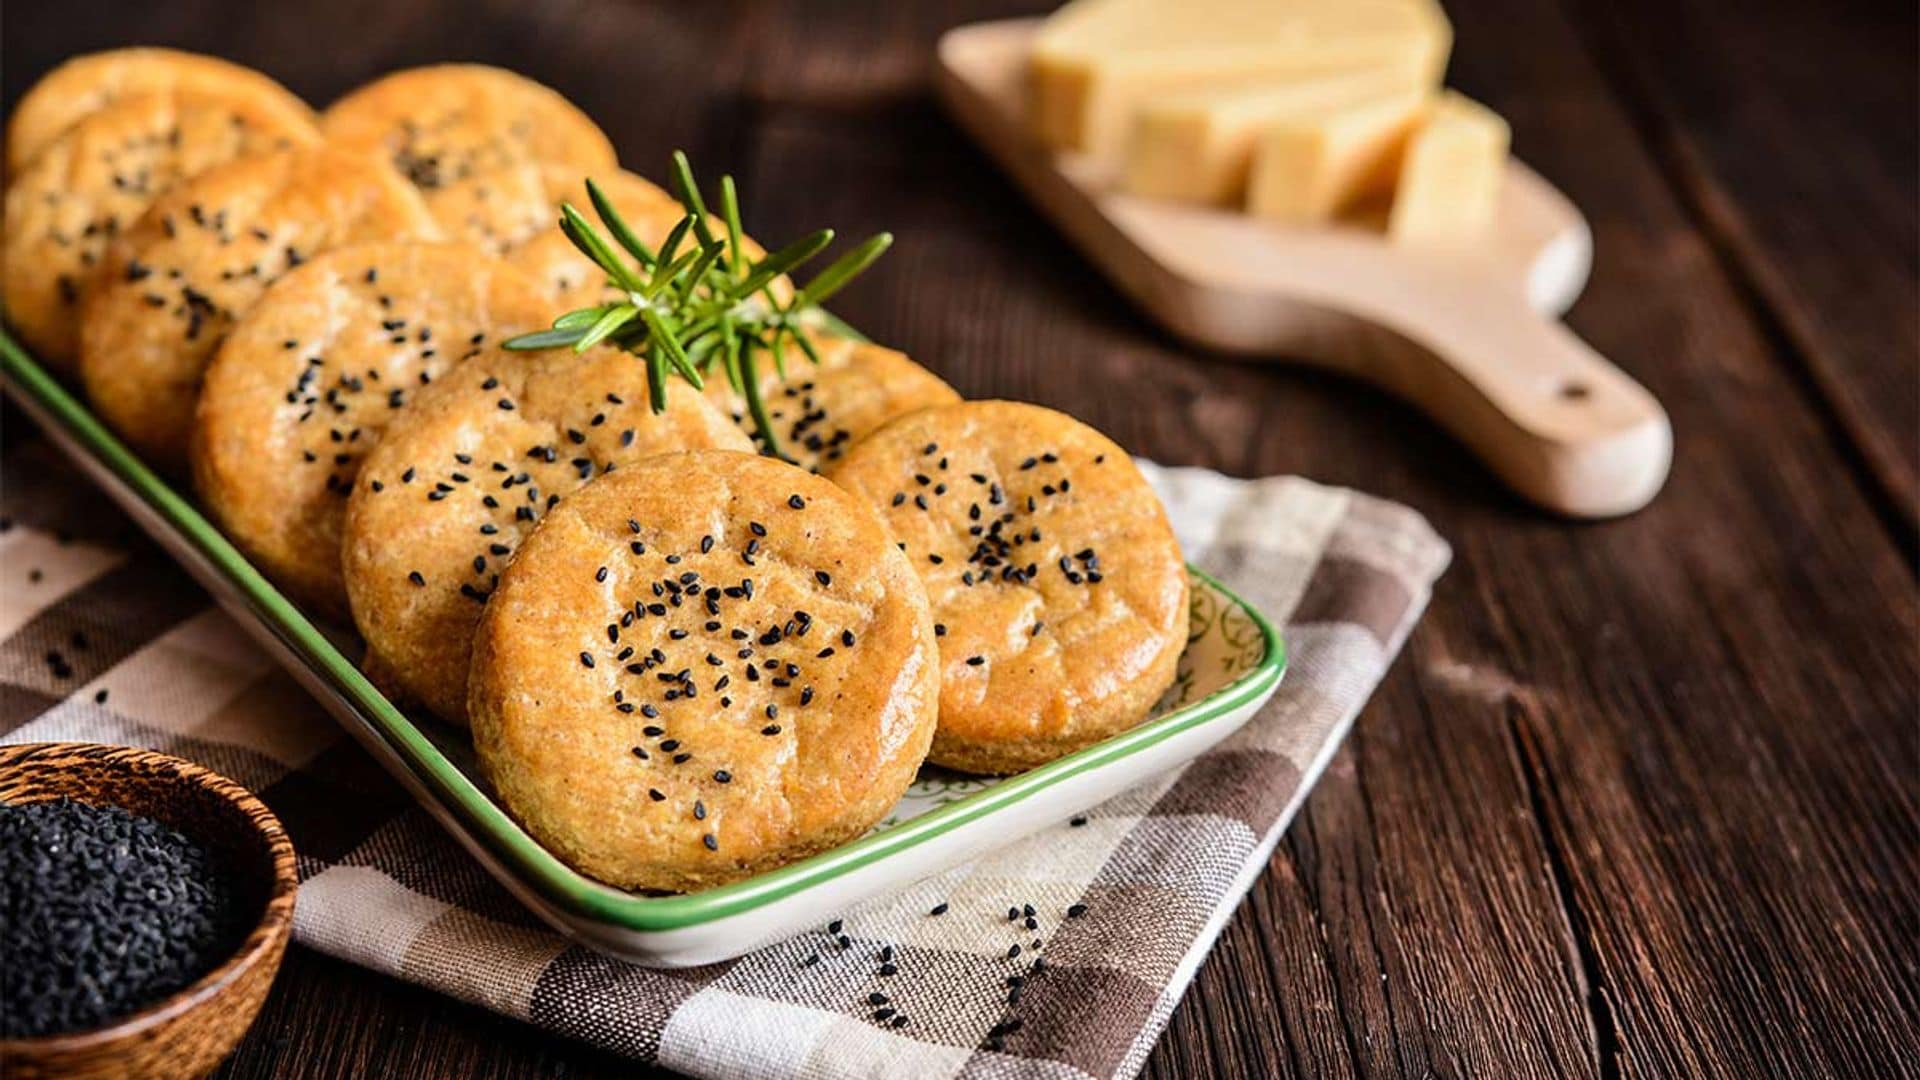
103,640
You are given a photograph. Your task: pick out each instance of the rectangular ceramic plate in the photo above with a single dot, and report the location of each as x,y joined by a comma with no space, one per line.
1232,664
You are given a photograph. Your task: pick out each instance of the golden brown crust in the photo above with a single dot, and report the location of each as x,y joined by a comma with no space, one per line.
532,427
174,283
818,411
647,778
97,177
471,138
89,83
1051,569
546,253
308,380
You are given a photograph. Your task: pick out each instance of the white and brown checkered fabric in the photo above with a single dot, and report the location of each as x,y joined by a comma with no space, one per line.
103,640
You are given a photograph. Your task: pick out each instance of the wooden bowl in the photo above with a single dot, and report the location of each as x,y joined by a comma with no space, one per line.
189,1032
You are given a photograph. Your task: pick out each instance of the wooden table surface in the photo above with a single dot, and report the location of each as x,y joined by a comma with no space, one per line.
1640,797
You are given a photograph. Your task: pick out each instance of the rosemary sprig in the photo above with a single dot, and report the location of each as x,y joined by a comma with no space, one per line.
685,312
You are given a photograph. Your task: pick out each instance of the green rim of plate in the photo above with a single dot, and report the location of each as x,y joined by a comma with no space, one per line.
557,883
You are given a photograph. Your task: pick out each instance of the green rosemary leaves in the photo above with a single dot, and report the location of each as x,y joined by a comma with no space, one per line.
700,301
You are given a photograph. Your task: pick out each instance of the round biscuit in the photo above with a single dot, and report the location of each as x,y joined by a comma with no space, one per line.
97,177
203,253
1053,574
86,84
820,410
464,135
777,702
307,381
467,470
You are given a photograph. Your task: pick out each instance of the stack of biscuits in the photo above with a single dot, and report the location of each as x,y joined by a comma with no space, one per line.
682,662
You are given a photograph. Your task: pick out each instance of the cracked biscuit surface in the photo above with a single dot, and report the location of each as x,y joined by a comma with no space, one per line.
701,667
97,178
306,383
472,139
819,410
1055,580
467,470
86,84
201,256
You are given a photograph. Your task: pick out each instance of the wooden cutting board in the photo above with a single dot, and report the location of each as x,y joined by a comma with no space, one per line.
1468,333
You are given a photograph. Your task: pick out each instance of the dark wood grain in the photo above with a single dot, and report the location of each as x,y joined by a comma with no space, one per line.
1786,131
1640,797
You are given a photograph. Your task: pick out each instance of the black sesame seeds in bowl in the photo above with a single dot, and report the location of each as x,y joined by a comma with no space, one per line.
145,904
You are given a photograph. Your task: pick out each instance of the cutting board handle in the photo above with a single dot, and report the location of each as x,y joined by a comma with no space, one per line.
1553,418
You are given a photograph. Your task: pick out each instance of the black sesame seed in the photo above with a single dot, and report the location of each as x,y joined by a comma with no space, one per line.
712,842
939,908
1076,911
976,661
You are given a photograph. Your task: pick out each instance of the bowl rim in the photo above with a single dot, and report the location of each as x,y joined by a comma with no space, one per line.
268,934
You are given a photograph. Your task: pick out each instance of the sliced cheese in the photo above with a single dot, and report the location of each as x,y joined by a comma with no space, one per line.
1310,167
1450,175
1095,61
1197,145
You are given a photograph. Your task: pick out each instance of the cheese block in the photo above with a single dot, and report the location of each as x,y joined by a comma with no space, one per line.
1197,145
1095,61
1315,165
1450,174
